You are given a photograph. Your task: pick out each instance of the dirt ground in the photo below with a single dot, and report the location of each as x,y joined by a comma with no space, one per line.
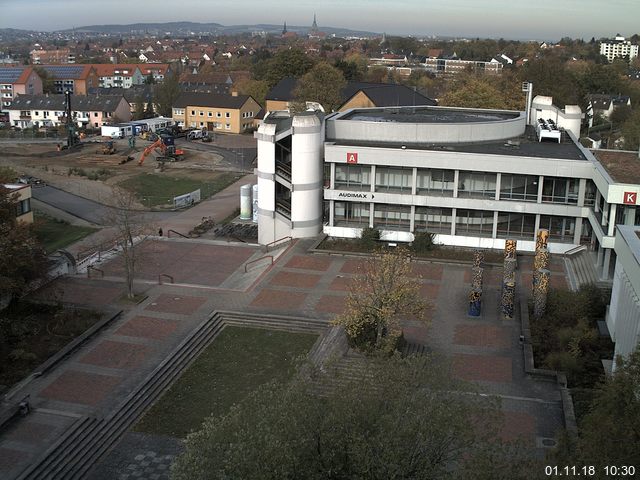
45,162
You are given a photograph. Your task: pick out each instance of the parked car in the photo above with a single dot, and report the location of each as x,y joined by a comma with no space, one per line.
33,181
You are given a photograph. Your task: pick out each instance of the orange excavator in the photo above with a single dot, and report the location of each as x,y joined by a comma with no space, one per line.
165,145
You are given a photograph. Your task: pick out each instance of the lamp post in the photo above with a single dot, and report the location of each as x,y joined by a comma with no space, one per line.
70,130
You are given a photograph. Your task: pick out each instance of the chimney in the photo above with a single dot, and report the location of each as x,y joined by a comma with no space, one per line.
234,94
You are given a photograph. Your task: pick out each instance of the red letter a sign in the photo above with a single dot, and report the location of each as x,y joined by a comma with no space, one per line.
352,158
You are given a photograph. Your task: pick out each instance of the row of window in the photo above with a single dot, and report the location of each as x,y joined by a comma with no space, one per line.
470,184
473,223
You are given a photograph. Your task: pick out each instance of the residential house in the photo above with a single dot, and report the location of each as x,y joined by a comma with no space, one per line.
354,95
618,47
59,55
88,111
118,75
159,71
22,194
18,81
364,95
604,105
226,113
77,79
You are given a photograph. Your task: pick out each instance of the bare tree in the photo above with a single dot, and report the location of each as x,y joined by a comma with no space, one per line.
129,223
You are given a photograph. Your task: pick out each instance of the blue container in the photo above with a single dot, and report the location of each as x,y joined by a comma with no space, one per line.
475,308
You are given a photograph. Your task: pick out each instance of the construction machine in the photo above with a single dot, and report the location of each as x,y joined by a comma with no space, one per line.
108,148
168,152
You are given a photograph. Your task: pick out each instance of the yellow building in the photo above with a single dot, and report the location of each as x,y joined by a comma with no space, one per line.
216,112
23,201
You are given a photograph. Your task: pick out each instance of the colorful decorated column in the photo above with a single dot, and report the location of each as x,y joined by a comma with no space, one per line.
508,299
510,248
540,262
478,259
475,302
540,293
542,237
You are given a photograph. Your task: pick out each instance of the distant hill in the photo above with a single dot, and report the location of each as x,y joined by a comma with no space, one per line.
188,28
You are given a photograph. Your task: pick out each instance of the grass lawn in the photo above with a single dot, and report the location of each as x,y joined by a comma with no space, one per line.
238,360
56,234
159,189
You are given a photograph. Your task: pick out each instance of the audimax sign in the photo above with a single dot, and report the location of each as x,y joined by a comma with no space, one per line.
359,195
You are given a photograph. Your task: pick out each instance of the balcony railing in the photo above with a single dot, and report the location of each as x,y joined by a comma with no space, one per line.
283,208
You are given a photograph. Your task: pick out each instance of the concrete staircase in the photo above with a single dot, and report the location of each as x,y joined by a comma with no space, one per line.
581,270
75,453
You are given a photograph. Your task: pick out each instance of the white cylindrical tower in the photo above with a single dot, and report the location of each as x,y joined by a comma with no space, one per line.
266,136
245,202
306,175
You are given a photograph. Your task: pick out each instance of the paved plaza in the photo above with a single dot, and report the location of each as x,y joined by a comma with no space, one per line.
210,276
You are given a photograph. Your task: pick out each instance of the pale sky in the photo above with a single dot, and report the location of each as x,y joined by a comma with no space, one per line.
517,19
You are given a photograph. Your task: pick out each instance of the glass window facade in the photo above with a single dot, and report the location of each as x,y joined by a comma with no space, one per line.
474,223
433,219
435,182
560,190
519,187
561,229
352,177
477,184
392,217
590,194
351,214
393,180
516,225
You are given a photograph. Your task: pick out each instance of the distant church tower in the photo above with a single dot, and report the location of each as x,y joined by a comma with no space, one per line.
384,38
314,26
284,30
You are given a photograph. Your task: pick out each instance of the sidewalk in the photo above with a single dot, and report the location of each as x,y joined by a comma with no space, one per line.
220,206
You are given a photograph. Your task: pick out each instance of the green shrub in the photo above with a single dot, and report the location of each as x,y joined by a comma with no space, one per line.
370,237
422,242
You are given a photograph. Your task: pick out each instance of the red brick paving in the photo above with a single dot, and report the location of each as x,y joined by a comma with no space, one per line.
309,263
9,458
80,387
487,368
279,299
179,304
489,277
352,266
518,426
112,354
89,292
185,262
555,280
430,291
30,432
482,336
148,327
331,304
341,284
298,280
428,271
415,333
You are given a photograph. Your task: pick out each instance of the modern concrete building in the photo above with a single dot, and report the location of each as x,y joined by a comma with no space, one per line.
618,47
472,177
22,198
623,314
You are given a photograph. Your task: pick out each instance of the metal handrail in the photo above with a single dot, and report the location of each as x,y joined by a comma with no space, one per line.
577,249
177,233
91,267
256,260
164,275
270,244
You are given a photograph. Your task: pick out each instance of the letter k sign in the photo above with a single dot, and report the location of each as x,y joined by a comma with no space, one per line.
630,198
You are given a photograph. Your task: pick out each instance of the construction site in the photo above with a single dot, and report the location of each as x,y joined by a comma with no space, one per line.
91,168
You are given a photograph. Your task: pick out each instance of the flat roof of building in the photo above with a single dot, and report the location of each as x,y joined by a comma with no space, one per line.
623,166
426,114
525,145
